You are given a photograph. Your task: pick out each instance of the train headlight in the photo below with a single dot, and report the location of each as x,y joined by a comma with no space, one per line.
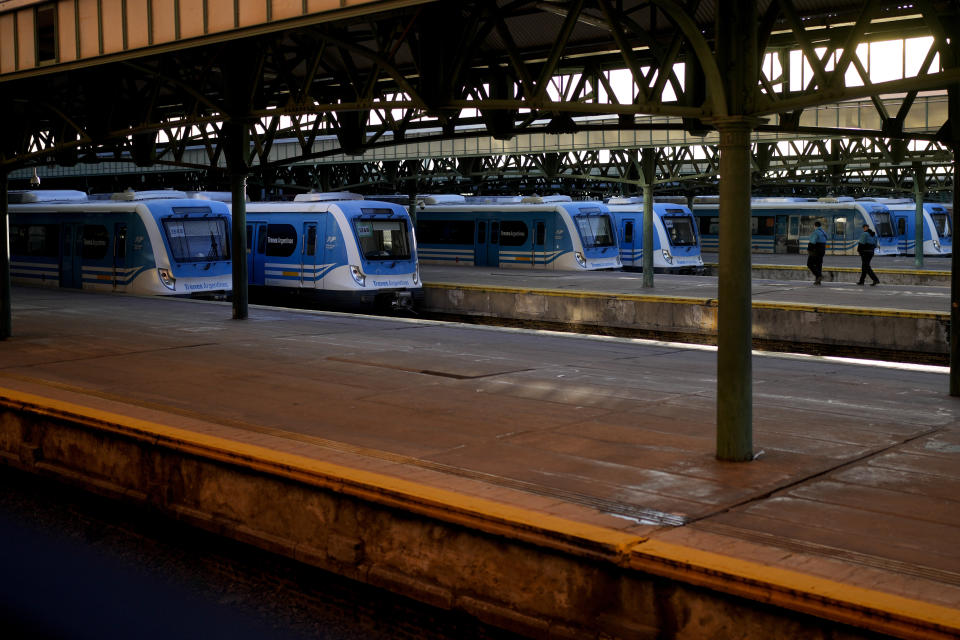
700,260
167,279
580,259
416,274
936,244
667,256
358,276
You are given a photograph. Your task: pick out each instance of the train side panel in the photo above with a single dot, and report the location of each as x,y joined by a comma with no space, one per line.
564,236
937,229
676,241
784,225
144,248
351,253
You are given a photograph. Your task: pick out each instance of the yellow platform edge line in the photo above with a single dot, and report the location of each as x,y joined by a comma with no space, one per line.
379,488
707,302
782,587
851,604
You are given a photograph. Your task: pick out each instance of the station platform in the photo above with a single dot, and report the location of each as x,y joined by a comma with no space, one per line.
890,269
883,321
556,485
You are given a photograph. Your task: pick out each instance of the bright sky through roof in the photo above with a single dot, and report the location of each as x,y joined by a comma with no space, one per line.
883,61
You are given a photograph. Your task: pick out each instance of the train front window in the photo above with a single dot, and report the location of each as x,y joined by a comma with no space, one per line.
884,226
595,231
680,231
383,239
197,240
942,223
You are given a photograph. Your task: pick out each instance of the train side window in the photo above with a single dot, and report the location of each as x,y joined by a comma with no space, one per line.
481,232
494,232
628,231
96,240
541,233
37,240
311,241
281,240
766,225
714,227
513,233
754,225
445,232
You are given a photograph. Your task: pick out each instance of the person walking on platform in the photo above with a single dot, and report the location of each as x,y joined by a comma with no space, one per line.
816,249
866,245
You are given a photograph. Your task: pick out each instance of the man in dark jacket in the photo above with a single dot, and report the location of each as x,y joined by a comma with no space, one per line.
816,249
865,247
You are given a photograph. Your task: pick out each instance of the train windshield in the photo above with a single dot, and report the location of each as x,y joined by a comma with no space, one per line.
942,222
884,226
197,240
680,231
383,239
595,230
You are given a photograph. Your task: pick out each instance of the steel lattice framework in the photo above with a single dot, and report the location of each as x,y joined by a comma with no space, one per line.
454,70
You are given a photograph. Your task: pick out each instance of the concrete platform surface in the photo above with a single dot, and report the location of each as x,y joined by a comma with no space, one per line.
890,269
930,263
785,292
854,492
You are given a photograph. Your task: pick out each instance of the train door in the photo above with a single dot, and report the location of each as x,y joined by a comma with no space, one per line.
780,235
71,271
838,243
628,244
119,254
308,256
903,243
493,246
794,242
539,242
256,251
480,249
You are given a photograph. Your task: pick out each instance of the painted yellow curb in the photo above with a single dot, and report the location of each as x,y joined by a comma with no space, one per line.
479,513
793,590
858,606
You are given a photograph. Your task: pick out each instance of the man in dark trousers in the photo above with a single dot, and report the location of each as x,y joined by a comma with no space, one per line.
816,249
865,247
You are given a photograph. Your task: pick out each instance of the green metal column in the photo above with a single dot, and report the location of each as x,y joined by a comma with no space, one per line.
236,145
918,193
647,165
735,321
6,315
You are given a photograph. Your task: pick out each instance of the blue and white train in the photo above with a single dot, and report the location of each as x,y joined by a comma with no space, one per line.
145,243
937,226
552,232
783,225
676,242
335,247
